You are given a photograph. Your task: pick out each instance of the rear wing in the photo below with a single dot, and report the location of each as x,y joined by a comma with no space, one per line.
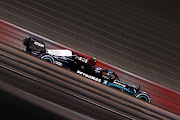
33,45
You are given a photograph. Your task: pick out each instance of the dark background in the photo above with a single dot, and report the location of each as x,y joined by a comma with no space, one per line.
166,9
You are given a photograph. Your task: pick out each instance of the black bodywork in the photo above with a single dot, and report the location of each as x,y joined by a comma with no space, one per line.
85,67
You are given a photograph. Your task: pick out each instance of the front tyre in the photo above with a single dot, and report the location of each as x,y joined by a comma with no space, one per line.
143,96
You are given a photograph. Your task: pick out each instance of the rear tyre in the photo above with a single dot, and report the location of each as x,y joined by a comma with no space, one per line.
47,58
143,96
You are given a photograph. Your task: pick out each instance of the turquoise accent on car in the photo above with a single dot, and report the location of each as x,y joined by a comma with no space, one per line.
120,87
48,59
143,97
105,82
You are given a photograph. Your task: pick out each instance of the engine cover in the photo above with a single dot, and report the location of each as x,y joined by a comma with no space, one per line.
59,52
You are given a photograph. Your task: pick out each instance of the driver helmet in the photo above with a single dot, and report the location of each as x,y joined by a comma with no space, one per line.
92,61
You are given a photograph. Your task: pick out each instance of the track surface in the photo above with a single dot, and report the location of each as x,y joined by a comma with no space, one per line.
168,101
128,39
70,90
111,31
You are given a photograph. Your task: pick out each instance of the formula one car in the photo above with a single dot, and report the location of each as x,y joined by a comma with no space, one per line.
83,66
110,79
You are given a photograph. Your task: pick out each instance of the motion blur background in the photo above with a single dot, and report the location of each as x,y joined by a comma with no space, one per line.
165,9
154,25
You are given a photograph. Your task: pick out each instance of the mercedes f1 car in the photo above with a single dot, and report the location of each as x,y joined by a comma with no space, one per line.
83,66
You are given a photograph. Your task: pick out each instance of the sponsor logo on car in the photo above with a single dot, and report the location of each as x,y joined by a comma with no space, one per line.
105,82
88,76
38,44
82,59
119,83
58,63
